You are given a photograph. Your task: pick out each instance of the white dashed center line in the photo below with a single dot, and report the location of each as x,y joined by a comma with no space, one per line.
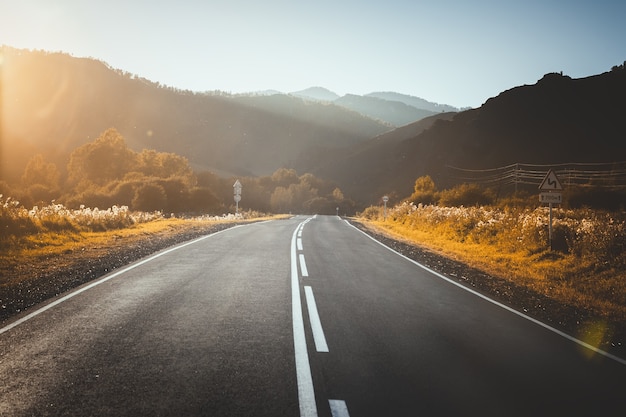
316,324
304,271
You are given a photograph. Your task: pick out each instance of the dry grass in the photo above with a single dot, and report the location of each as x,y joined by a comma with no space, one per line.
52,244
54,236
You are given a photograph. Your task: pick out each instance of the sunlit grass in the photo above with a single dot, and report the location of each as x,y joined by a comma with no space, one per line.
587,267
39,235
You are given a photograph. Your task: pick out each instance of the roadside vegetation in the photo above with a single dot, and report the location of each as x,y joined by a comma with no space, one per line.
107,173
56,230
42,229
586,266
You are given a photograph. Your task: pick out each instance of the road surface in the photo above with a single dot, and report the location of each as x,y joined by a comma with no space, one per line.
306,316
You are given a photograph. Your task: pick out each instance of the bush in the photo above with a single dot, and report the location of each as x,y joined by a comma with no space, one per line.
424,191
372,213
14,220
466,195
149,197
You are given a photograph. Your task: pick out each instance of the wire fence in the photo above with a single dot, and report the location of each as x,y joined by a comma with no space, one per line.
610,175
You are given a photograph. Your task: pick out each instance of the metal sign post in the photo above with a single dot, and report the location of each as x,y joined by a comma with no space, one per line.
385,199
550,187
237,186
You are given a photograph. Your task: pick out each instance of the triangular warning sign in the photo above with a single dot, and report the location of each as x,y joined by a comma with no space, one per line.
551,182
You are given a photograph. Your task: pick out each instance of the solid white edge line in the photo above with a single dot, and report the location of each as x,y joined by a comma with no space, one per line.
105,279
512,310
316,324
338,408
306,393
305,271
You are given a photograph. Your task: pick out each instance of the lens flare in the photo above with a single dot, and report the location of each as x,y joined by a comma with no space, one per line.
593,332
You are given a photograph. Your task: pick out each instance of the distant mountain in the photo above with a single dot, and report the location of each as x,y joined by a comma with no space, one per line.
418,103
265,93
391,108
556,120
395,113
316,94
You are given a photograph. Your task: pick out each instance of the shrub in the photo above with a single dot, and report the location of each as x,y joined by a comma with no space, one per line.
372,213
466,195
149,197
424,191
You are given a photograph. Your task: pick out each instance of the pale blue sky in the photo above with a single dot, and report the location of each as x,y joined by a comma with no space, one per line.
448,51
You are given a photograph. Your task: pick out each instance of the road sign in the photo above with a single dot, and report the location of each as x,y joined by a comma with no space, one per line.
237,186
549,185
551,182
553,198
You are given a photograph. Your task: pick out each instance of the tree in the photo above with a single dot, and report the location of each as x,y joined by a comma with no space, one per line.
281,200
424,191
284,177
338,195
149,197
163,164
42,173
107,158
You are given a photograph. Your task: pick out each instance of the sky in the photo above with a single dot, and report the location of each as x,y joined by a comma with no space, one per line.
456,52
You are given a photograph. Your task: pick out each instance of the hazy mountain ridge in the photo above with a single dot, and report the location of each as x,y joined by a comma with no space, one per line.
316,94
393,112
393,108
417,102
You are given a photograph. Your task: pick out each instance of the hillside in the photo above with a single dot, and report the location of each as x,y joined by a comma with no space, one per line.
53,103
316,93
365,169
394,109
556,120
394,112
417,102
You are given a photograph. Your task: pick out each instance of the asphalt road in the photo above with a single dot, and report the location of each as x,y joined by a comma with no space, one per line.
306,316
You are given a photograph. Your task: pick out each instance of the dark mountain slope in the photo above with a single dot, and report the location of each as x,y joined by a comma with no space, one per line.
364,168
556,120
